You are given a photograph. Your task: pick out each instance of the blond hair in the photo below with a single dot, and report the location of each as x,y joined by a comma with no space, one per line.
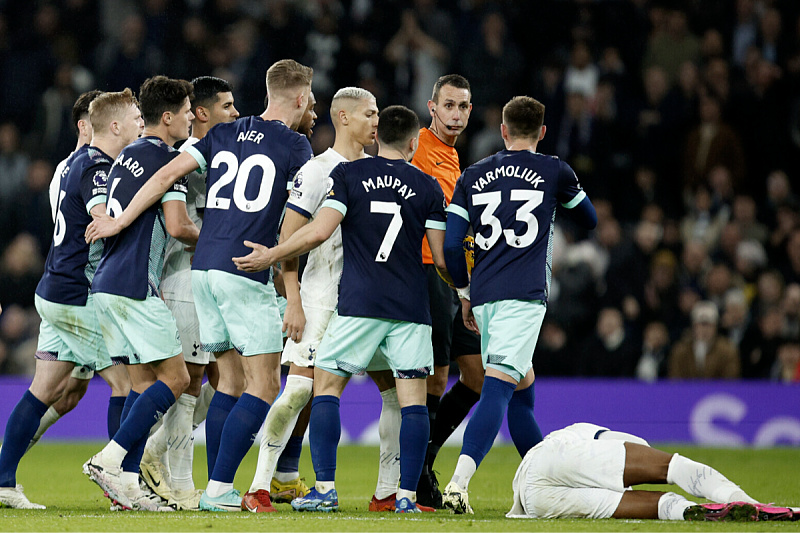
287,74
107,107
348,95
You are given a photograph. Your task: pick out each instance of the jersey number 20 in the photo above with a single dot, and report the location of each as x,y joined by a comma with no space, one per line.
525,214
241,173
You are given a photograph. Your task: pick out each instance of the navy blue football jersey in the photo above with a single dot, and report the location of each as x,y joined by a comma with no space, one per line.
132,261
510,200
387,205
250,165
71,263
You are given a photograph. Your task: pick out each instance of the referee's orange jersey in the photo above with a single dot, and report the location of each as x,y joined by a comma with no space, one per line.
440,161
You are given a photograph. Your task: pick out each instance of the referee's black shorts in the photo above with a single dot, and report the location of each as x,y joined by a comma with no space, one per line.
450,337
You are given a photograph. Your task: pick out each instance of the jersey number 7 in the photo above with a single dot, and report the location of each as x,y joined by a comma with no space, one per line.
389,208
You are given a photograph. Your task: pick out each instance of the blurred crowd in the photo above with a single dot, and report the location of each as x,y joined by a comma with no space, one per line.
681,117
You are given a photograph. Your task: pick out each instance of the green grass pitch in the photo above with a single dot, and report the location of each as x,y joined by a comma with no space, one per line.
51,475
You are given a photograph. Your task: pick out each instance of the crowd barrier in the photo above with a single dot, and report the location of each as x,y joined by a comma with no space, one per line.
716,413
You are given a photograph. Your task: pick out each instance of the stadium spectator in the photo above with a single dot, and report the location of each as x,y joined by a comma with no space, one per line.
652,364
421,51
712,142
759,346
494,57
13,163
671,47
735,317
791,311
787,369
611,351
702,352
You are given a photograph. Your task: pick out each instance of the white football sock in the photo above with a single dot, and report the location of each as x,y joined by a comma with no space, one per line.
285,477
180,442
130,482
411,495
389,432
217,488
324,487
278,427
47,420
465,469
156,445
114,454
671,506
201,406
703,481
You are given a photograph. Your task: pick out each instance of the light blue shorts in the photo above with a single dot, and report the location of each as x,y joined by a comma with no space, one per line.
281,308
144,328
350,343
236,312
71,333
509,331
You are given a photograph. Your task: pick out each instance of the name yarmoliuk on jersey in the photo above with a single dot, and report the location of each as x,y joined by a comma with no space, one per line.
510,171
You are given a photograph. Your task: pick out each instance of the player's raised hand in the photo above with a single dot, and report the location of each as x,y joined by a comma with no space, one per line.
257,260
102,226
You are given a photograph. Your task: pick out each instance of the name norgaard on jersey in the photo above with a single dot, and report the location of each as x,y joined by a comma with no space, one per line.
131,164
388,182
510,171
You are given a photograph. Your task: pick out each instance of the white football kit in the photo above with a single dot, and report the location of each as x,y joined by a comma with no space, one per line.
570,474
176,278
319,290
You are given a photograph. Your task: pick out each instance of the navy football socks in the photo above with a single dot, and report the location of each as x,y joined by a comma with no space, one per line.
238,435
487,419
20,429
218,411
414,432
522,425
324,433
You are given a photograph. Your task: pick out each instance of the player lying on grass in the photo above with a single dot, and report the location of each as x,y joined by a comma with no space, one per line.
583,470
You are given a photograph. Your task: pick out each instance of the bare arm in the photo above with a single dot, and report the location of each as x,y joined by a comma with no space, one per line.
179,225
98,209
436,242
150,193
306,238
294,320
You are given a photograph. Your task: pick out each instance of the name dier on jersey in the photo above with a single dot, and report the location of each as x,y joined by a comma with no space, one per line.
250,135
389,182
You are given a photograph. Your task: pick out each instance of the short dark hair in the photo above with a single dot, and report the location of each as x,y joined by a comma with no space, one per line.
397,124
454,80
523,116
80,110
207,89
160,94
